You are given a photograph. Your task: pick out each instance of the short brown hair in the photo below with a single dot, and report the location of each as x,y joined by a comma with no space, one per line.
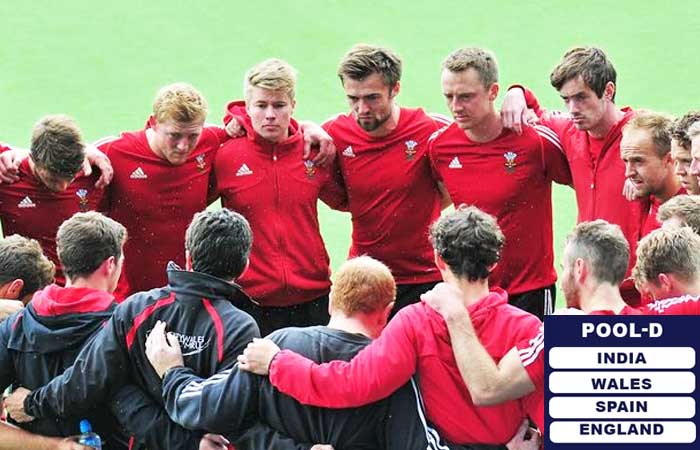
22,258
679,132
685,207
273,74
469,241
479,59
57,146
362,284
362,60
672,251
603,246
86,240
591,64
659,125
179,103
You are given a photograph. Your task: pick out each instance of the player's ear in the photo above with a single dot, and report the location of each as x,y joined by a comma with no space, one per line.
609,91
395,90
12,289
493,91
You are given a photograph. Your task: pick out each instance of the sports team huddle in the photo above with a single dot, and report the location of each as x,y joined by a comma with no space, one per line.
127,302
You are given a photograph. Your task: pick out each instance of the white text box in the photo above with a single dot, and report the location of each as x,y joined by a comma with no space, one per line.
639,358
621,382
586,433
622,407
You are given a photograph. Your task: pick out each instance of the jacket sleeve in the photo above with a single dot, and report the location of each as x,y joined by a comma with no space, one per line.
7,366
333,192
554,162
374,373
224,403
148,422
263,437
100,367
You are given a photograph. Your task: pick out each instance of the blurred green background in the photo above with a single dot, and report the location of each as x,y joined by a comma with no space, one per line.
102,62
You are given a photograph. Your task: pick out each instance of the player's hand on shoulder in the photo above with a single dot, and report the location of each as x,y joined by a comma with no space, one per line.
629,191
316,137
258,356
446,299
514,111
9,164
163,350
95,157
234,128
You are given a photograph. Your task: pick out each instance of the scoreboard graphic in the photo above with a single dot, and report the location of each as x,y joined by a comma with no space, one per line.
621,382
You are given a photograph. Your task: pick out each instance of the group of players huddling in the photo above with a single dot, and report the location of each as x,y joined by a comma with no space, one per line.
145,317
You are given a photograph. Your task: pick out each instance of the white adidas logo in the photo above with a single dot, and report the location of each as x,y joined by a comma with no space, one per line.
455,164
26,203
138,174
243,171
348,152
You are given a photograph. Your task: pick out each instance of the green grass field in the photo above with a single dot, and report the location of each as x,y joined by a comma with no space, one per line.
102,62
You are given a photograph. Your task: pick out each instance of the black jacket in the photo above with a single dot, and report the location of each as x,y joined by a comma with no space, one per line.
40,342
202,310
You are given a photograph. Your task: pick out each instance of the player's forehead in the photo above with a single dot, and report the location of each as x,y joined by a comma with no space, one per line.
259,94
372,84
678,151
171,126
575,87
464,81
637,142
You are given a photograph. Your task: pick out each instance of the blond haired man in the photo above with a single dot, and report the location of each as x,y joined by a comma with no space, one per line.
263,176
668,263
681,210
161,180
645,150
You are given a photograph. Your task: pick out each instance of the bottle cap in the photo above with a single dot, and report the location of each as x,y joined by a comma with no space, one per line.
85,426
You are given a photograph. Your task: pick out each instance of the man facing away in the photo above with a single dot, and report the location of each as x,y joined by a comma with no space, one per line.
24,269
40,342
200,306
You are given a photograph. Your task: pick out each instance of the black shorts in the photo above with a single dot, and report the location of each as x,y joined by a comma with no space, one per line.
539,302
306,314
407,294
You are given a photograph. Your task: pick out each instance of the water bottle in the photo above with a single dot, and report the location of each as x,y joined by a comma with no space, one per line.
87,437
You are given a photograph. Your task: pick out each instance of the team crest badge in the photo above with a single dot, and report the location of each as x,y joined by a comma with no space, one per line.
201,163
510,161
82,198
411,149
310,168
